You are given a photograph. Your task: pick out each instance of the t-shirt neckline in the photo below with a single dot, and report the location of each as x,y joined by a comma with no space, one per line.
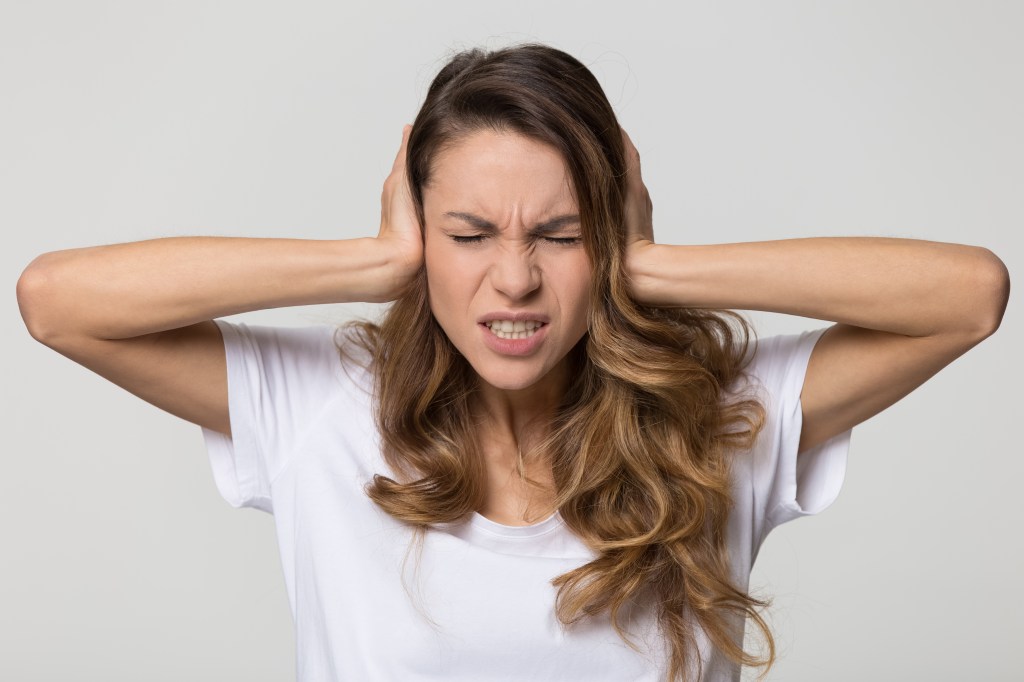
481,522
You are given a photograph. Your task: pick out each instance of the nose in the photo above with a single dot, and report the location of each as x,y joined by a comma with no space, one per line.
515,274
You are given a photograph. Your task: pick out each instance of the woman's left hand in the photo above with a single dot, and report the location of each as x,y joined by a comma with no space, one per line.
638,212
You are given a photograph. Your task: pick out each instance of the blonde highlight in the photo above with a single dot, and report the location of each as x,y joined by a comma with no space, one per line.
639,450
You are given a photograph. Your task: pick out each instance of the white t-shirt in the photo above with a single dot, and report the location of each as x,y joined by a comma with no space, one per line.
304,442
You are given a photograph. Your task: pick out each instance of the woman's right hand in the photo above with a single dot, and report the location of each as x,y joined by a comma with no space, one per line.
399,227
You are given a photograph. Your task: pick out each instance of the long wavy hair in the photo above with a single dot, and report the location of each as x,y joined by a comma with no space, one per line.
639,446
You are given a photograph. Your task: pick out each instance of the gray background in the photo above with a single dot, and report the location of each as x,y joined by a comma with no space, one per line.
123,121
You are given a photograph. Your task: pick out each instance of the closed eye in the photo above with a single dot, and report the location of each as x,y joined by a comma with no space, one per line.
565,241
477,238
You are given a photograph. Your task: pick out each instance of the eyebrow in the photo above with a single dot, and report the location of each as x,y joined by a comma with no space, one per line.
540,228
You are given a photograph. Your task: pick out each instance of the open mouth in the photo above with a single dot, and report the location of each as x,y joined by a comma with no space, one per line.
520,329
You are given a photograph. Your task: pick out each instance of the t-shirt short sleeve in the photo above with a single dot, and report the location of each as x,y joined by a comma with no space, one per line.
787,486
277,385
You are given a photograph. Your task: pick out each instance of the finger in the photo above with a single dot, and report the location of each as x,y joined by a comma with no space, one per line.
397,171
399,164
632,155
628,142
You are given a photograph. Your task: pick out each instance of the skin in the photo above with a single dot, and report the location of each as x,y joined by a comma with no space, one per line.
902,309
514,183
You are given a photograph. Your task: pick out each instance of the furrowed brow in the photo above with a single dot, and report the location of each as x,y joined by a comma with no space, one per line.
546,227
476,221
557,223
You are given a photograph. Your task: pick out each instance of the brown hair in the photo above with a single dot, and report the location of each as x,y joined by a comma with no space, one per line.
639,446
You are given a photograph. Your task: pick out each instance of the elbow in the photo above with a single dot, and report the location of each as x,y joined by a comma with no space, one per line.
993,293
32,295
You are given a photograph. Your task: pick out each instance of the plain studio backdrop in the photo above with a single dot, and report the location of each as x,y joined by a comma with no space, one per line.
125,121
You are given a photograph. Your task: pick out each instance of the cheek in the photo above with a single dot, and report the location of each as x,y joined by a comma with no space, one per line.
575,285
436,284
584,275
439,293
432,256
437,263
451,279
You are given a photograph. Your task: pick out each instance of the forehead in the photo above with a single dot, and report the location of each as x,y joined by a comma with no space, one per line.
499,171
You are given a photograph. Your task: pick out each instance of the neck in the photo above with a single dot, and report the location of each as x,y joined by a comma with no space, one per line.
517,418
509,425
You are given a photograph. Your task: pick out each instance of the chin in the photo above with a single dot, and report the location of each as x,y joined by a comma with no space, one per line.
511,380
505,383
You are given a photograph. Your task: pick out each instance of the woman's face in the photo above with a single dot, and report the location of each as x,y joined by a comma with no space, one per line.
508,276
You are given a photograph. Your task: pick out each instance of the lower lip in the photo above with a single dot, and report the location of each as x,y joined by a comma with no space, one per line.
513,346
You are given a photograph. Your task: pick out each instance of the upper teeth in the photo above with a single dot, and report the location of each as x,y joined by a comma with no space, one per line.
510,326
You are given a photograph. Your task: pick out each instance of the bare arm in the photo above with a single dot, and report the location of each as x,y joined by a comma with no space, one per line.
126,290
141,313
904,286
903,308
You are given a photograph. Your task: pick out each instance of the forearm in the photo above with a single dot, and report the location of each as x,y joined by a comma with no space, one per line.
130,289
905,286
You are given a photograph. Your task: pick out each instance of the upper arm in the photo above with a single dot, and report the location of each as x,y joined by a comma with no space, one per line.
182,371
854,373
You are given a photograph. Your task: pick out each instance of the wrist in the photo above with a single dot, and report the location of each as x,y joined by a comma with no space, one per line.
391,268
642,268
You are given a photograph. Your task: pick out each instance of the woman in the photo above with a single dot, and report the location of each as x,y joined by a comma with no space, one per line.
564,416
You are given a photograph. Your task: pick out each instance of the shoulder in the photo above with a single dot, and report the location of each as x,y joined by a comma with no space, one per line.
775,482
776,361
308,354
